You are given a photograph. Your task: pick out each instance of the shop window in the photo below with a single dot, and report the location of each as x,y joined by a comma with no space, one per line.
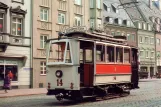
126,55
119,55
100,53
110,54
12,69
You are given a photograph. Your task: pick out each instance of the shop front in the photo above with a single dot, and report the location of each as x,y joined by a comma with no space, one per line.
6,66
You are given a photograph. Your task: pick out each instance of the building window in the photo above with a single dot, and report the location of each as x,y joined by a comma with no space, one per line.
146,40
117,10
108,9
152,40
144,26
158,41
119,21
99,4
92,23
139,25
99,22
17,26
43,68
128,37
152,54
147,54
113,33
128,23
43,41
78,21
61,18
141,39
44,13
1,22
141,53
78,2
158,54
149,27
91,3
111,20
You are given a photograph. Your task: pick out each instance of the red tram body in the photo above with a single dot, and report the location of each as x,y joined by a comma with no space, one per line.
90,64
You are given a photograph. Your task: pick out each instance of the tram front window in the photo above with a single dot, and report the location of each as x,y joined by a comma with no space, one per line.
57,52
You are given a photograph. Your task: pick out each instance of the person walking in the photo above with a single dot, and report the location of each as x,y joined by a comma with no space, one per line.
7,83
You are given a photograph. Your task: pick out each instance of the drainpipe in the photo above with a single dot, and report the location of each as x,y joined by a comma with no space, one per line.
31,42
150,3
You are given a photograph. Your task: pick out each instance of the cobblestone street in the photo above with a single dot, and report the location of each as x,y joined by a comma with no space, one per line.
149,95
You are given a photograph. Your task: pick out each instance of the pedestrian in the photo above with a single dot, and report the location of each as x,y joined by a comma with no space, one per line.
7,83
11,75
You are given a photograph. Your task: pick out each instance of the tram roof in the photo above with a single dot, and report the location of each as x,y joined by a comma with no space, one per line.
92,36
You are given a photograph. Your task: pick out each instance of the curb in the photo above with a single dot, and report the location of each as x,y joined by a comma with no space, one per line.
7,96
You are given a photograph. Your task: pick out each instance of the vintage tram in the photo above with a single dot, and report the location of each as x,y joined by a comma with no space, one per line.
88,63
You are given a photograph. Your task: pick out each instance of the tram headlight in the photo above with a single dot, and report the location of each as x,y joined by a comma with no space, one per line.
59,73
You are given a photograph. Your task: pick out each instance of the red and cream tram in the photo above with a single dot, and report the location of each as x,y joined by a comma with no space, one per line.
83,64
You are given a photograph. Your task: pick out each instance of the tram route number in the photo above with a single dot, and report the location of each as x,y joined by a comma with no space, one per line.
59,82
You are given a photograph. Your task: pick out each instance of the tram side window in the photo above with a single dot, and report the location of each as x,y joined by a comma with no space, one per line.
81,56
119,54
126,55
68,56
100,53
88,53
110,54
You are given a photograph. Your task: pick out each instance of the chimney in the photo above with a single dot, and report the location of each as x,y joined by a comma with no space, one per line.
150,3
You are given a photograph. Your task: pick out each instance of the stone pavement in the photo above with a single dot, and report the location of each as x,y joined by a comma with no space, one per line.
22,92
36,91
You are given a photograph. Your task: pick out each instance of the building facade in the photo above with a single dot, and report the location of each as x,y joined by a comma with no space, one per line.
117,22
142,13
50,17
15,42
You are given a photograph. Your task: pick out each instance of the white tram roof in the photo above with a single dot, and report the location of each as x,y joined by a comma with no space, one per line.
94,37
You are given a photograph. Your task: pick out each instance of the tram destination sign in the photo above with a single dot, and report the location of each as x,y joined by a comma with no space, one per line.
66,30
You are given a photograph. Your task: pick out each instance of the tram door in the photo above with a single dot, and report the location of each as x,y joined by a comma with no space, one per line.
86,63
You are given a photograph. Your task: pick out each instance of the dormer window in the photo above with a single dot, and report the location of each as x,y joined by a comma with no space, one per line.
144,26
108,9
109,20
120,21
139,25
104,7
128,23
149,27
115,9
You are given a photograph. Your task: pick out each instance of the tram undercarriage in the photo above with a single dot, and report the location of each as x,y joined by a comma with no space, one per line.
95,92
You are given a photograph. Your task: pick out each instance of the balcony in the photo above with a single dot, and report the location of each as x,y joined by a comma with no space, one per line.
61,27
78,9
62,5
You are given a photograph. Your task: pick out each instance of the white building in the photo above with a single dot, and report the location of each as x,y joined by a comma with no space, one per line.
15,42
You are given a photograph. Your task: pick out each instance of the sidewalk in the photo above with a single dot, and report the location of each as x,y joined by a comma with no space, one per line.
22,92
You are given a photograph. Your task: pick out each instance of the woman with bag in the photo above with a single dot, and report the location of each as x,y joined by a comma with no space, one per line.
7,82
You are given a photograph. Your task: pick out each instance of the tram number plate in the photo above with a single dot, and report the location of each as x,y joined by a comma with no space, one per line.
59,82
